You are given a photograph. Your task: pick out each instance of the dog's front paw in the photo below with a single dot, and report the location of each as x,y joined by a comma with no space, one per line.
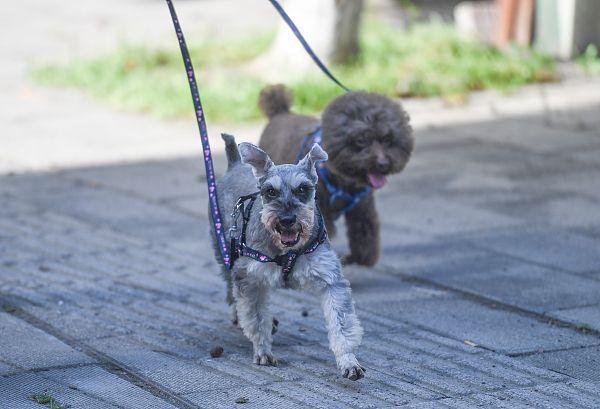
351,369
265,358
354,373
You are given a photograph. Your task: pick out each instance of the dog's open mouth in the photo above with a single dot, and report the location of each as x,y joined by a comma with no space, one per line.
289,237
376,180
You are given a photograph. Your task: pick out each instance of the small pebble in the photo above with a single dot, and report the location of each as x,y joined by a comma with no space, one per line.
304,313
242,399
216,352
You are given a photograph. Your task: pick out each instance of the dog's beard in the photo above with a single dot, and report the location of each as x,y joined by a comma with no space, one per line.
304,217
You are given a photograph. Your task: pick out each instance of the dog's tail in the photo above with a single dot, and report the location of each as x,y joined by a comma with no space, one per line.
231,150
275,100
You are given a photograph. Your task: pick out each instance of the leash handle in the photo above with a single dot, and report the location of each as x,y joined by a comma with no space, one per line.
305,44
208,165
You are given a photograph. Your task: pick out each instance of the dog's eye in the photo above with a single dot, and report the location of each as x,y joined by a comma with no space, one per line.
361,141
270,193
388,138
302,190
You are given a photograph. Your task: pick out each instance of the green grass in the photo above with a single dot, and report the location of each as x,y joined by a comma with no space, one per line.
427,60
47,400
590,60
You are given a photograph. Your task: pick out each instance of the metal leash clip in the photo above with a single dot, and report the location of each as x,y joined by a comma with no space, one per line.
235,215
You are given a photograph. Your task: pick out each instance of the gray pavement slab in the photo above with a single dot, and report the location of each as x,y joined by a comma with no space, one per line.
82,387
581,363
437,216
543,245
491,328
502,278
27,347
167,181
585,317
557,209
535,137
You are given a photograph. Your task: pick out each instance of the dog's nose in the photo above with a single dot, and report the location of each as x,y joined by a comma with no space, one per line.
287,221
382,166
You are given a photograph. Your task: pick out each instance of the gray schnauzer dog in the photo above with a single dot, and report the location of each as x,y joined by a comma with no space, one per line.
367,137
284,218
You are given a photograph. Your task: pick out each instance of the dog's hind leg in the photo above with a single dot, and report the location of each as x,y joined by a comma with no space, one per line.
229,297
362,225
345,331
255,319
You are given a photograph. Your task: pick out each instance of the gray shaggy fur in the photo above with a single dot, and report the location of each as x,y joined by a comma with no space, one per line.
285,208
363,133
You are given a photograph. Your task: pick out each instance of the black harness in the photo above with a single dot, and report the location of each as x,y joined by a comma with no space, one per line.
238,247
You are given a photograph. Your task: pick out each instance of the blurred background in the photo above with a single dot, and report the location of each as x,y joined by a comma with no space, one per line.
123,56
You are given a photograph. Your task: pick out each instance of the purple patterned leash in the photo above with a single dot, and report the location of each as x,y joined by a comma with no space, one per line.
210,174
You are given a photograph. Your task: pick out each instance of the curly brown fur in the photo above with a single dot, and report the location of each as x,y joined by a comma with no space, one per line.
367,137
275,99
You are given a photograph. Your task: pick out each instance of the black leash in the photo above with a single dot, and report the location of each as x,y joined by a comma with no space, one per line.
210,174
304,43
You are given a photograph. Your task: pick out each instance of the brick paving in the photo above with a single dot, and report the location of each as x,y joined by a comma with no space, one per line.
488,293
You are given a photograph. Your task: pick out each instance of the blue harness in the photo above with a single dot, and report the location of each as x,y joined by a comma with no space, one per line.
351,199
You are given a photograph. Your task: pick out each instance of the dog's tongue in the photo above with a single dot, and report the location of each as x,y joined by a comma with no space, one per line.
289,237
376,180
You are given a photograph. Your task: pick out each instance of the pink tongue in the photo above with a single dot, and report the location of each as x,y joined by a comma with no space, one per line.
376,180
288,237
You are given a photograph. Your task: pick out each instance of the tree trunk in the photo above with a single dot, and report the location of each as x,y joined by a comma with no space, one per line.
330,27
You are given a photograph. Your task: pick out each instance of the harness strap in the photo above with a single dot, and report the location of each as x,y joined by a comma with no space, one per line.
335,193
305,44
208,165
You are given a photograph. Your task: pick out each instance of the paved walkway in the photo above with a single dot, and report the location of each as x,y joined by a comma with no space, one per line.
488,294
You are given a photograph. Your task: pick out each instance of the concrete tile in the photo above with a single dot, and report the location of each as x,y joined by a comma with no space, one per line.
124,213
255,397
27,347
6,369
559,209
580,363
582,181
531,136
548,246
583,316
154,180
16,391
434,215
512,282
435,255
495,329
95,381
549,395
182,376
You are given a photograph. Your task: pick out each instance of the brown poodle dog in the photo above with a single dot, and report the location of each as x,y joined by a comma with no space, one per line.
367,137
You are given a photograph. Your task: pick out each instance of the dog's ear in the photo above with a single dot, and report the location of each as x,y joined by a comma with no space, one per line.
314,156
256,158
